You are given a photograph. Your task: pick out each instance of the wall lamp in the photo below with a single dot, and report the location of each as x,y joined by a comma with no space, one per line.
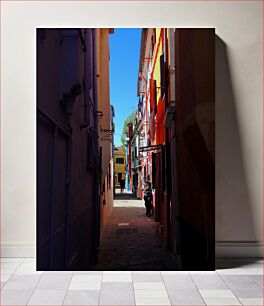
99,114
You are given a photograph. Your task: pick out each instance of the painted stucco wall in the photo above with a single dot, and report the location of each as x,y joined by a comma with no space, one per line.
105,124
239,97
156,60
66,182
120,168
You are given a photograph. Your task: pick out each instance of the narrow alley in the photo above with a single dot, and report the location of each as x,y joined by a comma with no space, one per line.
132,241
149,134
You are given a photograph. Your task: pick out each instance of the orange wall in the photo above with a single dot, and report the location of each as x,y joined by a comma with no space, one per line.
106,198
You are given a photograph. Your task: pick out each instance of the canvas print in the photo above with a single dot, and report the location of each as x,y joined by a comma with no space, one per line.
125,149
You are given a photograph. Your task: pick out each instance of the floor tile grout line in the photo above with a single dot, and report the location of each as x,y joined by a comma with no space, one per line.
100,292
5,284
231,288
261,286
133,288
24,258
67,289
251,298
35,287
197,287
165,287
18,266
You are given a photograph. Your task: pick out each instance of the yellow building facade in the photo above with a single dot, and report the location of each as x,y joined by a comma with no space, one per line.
119,165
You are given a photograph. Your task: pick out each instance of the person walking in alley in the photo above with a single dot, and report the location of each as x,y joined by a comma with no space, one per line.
148,198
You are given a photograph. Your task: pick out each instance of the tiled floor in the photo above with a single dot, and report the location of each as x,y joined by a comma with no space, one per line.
236,282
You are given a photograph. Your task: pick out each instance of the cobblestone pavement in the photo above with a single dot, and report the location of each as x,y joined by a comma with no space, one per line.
130,241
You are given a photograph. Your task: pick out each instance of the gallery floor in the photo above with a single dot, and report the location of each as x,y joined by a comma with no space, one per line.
236,281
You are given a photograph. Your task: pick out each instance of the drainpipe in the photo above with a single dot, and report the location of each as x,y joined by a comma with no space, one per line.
87,76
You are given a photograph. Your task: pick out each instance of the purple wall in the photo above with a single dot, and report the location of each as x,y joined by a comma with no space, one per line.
67,150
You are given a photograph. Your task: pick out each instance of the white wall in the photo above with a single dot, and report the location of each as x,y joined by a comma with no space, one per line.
238,107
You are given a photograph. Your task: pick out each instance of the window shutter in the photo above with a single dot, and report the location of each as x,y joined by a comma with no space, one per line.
153,96
162,76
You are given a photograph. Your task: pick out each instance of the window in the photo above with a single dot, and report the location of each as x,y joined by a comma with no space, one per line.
119,176
120,160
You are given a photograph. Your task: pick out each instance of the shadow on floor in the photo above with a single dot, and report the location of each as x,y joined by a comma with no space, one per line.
242,262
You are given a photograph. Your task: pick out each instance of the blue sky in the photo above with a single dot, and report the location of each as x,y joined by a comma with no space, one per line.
124,61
